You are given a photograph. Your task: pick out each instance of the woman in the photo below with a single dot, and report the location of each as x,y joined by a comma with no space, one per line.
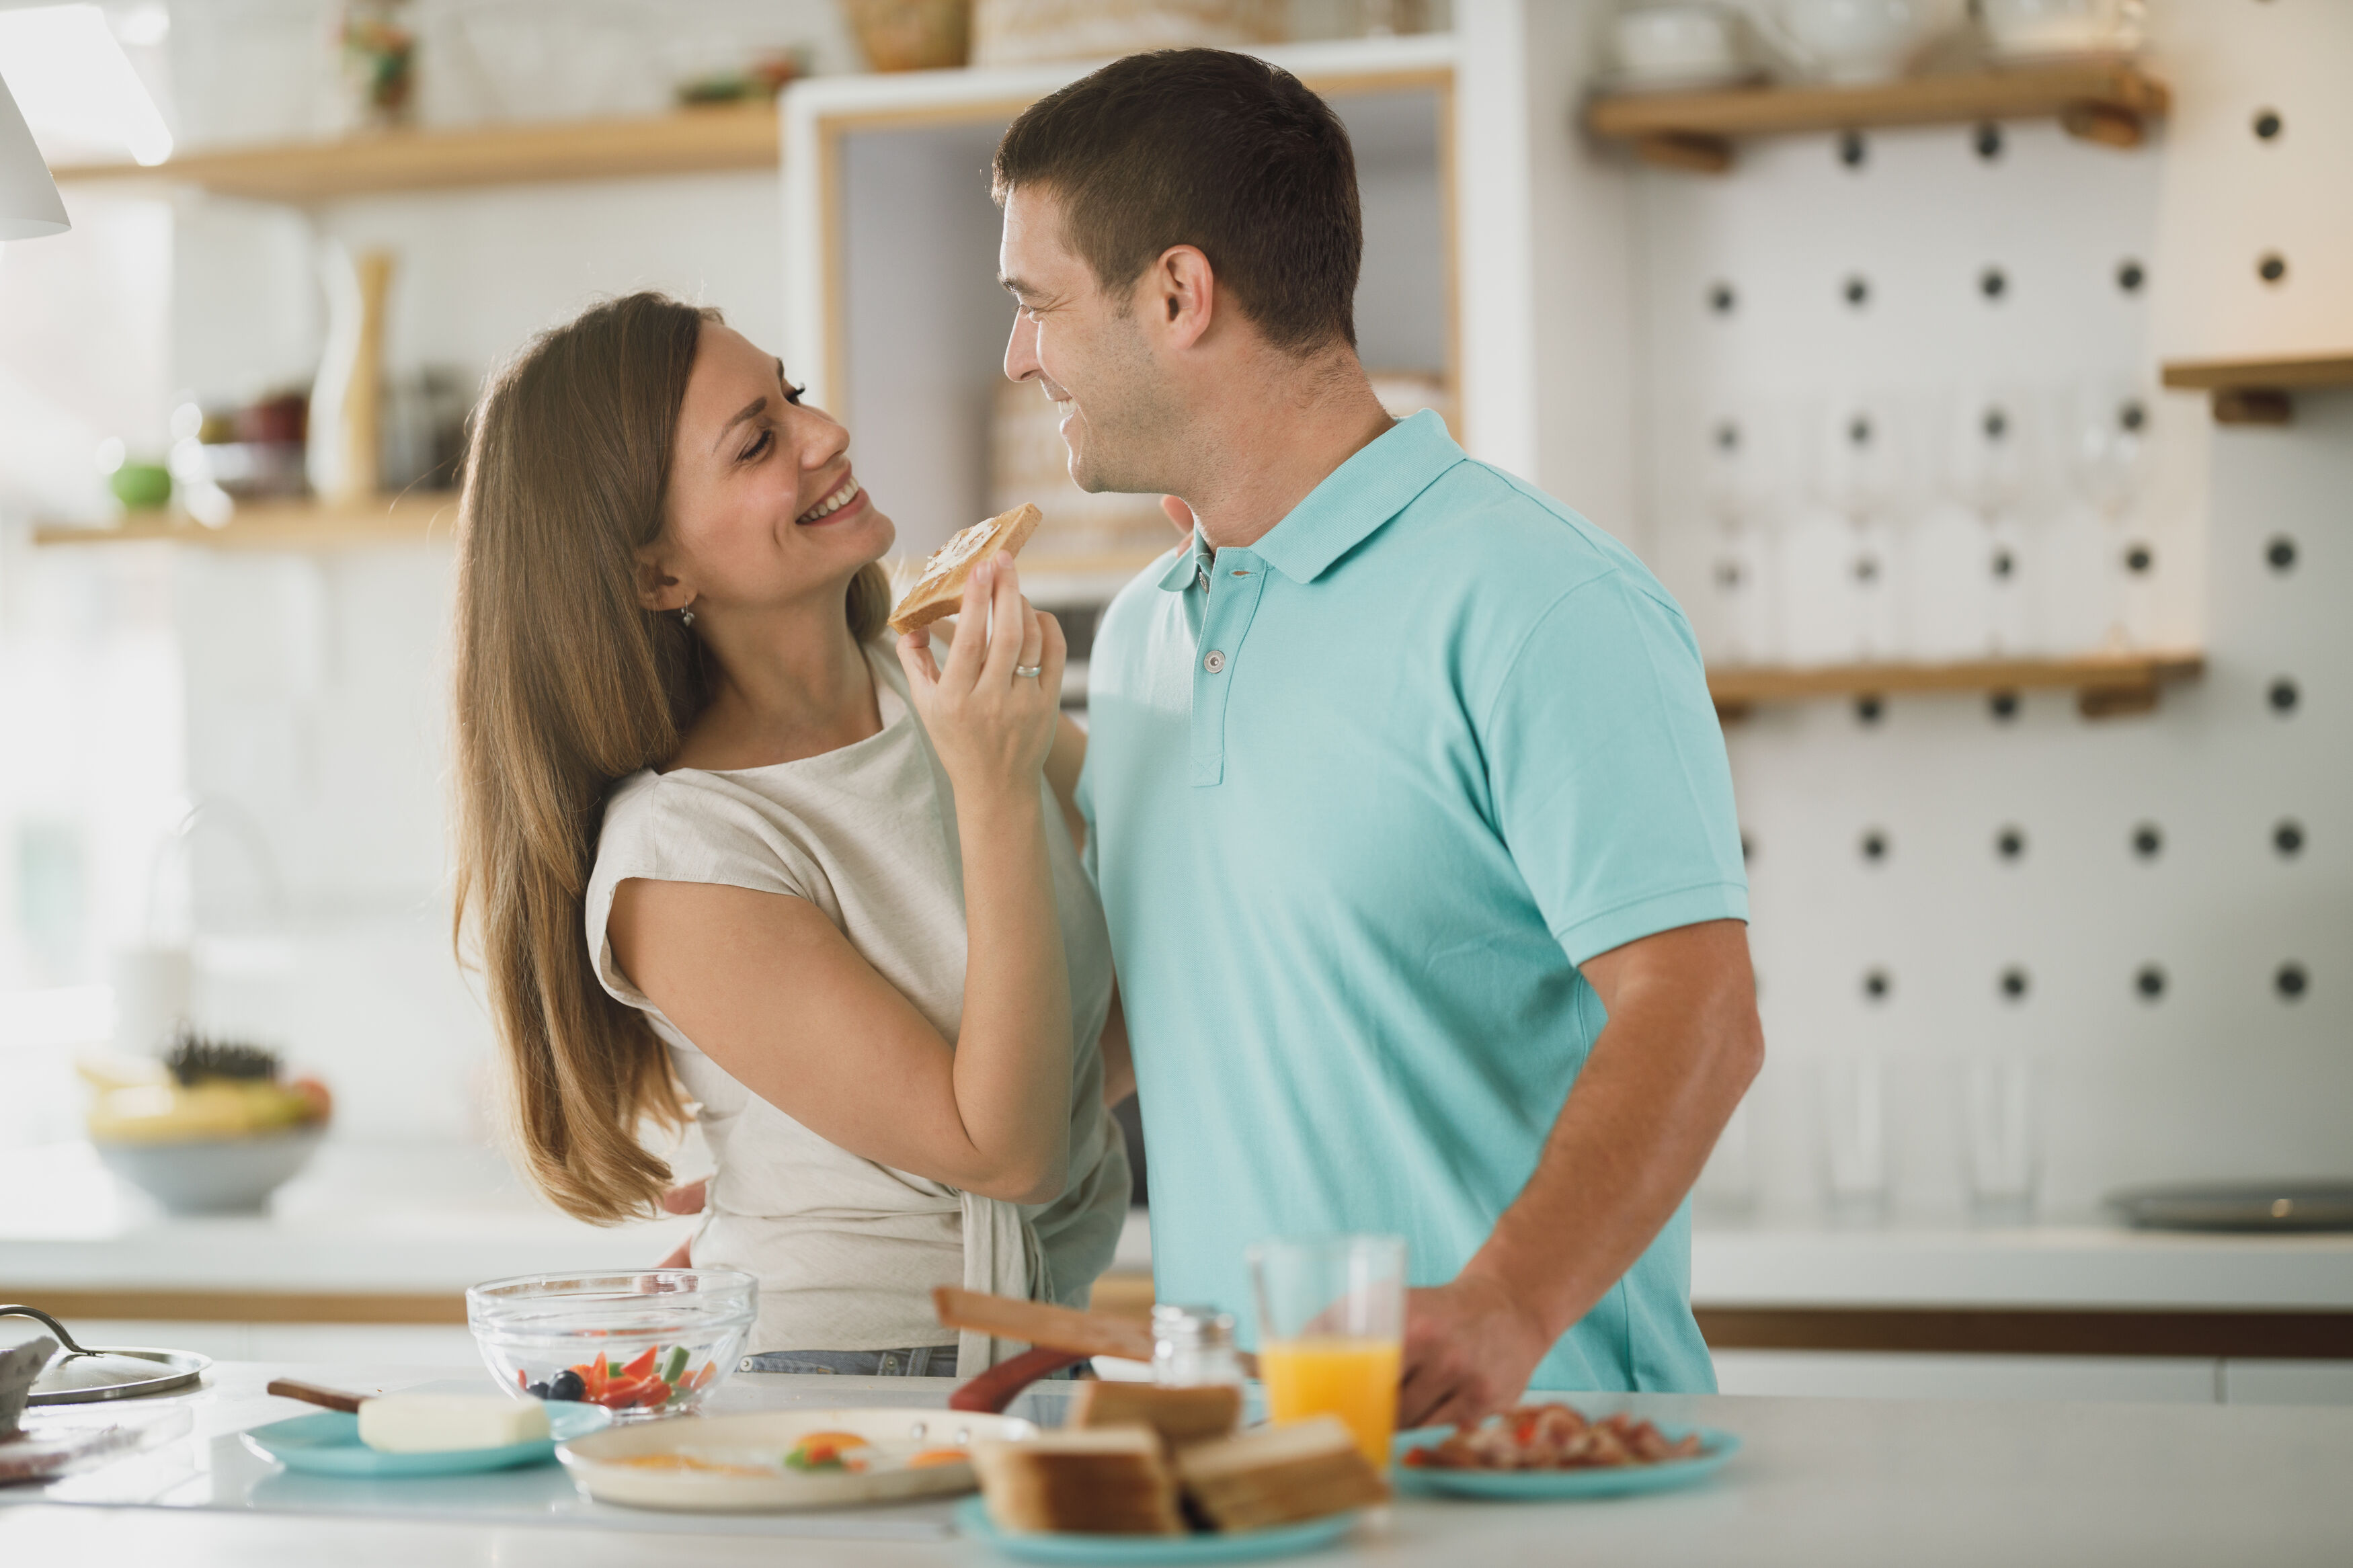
830,898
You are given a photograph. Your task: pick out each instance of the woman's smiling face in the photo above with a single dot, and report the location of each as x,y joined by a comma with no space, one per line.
762,507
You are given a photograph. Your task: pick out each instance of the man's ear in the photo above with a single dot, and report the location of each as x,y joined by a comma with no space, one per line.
657,589
1180,290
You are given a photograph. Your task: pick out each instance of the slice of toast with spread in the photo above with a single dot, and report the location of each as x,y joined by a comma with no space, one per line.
940,589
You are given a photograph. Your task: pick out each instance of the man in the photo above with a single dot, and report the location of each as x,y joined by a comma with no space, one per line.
1403,778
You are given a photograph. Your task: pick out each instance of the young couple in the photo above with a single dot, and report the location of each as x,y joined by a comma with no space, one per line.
1396,866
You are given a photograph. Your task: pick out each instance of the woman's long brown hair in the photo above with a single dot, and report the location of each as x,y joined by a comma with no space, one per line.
565,684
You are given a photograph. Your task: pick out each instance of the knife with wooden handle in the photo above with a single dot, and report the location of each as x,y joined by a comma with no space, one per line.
311,1393
1042,1324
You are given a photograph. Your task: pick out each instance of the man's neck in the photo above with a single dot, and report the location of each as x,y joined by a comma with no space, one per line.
1262,454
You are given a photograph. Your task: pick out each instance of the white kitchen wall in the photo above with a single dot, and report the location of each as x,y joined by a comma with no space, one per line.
2171,943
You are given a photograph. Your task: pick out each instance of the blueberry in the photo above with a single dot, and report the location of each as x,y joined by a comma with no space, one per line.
567,1385
536,1390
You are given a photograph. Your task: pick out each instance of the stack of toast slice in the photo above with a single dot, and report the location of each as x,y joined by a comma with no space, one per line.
1280,1475
1111,1480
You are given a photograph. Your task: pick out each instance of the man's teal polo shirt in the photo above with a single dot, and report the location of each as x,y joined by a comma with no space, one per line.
1361,799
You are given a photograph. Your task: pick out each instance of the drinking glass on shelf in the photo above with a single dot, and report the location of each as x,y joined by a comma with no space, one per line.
1853,1104
1331,1330
2002,1136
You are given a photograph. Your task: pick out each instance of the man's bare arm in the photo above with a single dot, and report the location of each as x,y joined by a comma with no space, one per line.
1681,1047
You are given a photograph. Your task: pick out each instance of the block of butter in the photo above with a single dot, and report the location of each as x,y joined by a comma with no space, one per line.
435,1422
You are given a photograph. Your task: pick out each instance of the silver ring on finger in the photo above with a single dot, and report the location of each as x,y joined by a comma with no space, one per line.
1028,671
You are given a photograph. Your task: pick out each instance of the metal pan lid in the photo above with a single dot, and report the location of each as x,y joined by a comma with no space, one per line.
83,1375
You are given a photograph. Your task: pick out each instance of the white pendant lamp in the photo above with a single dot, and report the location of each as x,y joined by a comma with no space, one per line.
29,207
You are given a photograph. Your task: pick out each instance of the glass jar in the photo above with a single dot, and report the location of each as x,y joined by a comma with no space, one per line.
1193,1347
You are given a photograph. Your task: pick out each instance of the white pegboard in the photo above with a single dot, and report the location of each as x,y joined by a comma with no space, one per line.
2146,844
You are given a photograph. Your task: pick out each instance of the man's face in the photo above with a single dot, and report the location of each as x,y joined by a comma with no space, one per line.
1088,349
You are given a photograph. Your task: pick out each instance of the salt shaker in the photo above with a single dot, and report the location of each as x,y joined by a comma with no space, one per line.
1193,1347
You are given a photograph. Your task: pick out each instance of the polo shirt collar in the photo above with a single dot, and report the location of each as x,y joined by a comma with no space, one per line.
1360,495
1188,563
1354,499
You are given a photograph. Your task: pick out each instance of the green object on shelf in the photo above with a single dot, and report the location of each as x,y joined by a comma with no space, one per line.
142,487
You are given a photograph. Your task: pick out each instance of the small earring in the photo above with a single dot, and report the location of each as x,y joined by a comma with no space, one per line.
686,614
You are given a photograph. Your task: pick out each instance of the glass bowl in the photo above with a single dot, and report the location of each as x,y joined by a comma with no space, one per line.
654,1342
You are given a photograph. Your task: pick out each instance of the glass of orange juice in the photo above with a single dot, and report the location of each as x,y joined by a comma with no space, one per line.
1331,1330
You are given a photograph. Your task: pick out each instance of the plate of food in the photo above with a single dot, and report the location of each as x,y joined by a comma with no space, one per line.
1147,1475
1141,1550
1554,1451
785,1460
424,1435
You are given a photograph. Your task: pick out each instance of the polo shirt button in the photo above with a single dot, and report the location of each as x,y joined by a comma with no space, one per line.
1214,661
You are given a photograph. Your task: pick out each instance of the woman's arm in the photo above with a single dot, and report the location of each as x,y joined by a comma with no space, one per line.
767,986
771,990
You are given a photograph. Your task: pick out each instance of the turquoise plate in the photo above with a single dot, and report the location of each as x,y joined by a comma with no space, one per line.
1618,1480
1285,1541
328,1444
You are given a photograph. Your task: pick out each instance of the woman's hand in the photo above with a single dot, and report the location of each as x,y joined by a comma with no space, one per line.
991,726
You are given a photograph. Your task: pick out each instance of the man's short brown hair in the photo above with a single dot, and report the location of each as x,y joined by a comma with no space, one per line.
1214,150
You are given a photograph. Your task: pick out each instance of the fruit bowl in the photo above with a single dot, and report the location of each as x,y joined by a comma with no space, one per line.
213,1175
653,1342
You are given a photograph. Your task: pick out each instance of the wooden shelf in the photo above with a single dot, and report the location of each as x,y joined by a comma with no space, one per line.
2256,391
698,141
281,525
2107,685
2107,101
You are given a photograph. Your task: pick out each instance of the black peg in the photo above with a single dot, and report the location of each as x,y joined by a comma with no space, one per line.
2267,124
1720,299
2147,839
2287,837
2290,980
2139,558
1851,149
2283,695
2271,268
1877,984
2130,276
1987,142
1868,710
2280,552
1874,845
2151,982
2011,843
1858,291
1993,283
2004,705
2014,983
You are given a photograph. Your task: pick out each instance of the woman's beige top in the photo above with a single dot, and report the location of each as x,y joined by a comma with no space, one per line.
847,1251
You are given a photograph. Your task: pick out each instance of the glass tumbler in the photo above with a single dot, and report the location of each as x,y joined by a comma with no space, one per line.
2002,1136
1331,1323
1855,1138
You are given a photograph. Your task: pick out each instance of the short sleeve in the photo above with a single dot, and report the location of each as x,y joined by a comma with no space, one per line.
1611,782
688,828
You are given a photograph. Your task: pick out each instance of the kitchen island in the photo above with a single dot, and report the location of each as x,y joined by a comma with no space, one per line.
1820,1482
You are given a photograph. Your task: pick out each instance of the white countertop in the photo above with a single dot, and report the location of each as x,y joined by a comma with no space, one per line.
425,1219
1823,1483
2078,1266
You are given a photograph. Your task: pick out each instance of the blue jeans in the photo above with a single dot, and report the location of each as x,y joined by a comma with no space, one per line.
923,1361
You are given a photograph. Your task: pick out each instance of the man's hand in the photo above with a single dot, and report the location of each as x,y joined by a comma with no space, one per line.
1469,1350
686,1199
